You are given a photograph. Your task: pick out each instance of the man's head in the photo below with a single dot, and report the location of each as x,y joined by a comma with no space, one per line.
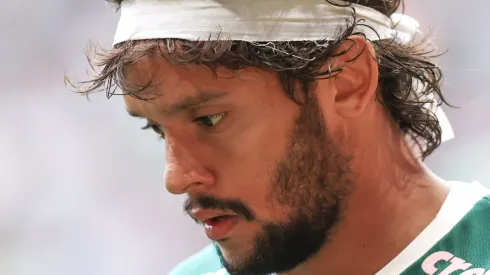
271,134
236,145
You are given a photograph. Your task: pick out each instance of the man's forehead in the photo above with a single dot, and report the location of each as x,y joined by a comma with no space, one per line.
166,76
142,71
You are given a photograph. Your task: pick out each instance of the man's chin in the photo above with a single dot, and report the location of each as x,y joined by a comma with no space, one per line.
234,256
231,250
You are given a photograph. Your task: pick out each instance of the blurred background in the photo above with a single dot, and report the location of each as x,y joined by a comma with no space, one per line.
81,187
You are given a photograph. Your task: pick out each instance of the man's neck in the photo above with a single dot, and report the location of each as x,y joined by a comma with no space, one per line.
383,214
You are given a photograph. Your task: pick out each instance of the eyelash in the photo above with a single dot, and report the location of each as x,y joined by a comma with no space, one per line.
157,130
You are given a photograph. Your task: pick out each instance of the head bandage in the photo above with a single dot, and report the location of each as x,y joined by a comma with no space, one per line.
260,21
254,20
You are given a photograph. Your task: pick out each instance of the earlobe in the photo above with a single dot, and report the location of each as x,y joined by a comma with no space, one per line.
356,84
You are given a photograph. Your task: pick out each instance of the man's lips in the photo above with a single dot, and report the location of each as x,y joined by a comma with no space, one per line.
217,225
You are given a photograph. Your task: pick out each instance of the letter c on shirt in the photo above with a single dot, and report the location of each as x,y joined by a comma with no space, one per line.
429,265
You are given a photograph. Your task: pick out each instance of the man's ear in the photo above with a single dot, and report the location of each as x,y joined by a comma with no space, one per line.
356,84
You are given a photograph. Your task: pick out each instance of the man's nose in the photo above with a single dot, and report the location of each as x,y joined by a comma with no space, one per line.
184,170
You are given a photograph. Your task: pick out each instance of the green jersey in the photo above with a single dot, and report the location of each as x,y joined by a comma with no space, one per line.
456,242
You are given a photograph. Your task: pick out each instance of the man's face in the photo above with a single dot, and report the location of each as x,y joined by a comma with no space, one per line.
261,172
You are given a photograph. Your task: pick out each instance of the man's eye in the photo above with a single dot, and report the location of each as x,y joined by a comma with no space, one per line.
206,121
209,121
155,128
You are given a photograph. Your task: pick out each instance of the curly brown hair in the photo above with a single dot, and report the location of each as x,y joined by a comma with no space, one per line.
407,77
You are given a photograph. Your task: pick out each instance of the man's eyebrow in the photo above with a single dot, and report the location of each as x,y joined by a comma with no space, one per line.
185,103
192,101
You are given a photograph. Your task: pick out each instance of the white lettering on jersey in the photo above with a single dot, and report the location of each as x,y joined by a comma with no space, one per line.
457,264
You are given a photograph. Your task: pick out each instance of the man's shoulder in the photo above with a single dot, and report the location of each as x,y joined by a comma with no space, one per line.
203,262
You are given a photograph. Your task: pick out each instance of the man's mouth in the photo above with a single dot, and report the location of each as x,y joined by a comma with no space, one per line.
216,225
218,228
217,219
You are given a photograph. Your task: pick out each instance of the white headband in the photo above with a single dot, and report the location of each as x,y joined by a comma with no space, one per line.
260,20
253,20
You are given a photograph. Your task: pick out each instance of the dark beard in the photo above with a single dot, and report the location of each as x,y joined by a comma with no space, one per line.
312,179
